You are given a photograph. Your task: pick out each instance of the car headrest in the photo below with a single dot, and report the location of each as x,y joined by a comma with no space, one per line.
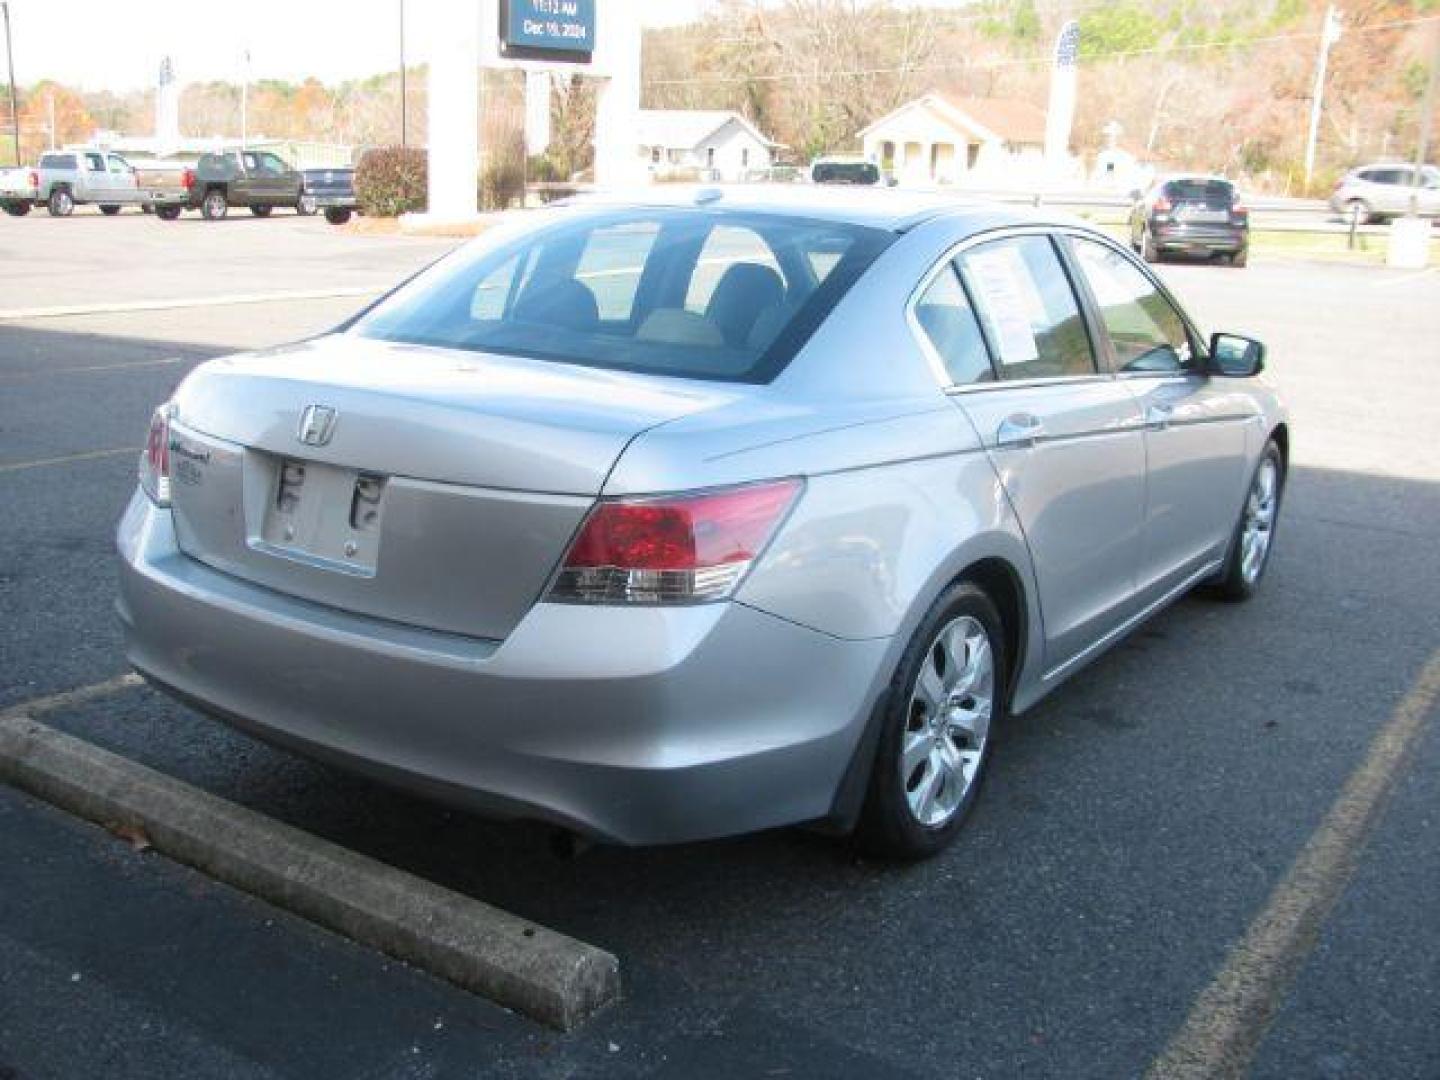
743,291
561,302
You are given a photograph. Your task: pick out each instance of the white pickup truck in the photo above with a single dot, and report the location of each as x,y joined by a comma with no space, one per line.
17,190
70,178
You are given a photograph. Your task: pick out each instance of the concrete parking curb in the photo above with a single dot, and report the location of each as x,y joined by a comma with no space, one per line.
543,974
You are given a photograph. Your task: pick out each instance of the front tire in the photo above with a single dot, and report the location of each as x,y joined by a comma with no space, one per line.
261,211
945,699
61,203
1148,251
167,213
1254,535
1359,210
337,215
109,210
215,206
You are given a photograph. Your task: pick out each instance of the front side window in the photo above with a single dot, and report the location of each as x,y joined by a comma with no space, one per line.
695,293
949,324
95,163
1028,309
1146,332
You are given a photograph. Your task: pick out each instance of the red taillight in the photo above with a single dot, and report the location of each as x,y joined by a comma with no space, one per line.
674,549
35,180
1239,209
1162,205
155,461
187,179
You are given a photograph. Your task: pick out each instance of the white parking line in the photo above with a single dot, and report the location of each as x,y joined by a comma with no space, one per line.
89,455
1227,1022
171,303
90,368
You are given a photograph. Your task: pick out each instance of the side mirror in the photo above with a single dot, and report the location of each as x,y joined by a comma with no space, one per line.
1235,356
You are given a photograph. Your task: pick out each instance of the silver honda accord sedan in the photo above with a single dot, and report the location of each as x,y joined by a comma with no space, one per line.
700,513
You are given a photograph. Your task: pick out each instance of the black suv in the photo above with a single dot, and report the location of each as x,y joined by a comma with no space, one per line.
1193,215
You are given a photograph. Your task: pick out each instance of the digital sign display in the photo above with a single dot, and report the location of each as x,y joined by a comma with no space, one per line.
562,30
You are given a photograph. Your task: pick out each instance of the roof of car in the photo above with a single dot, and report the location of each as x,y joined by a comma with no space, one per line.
882,208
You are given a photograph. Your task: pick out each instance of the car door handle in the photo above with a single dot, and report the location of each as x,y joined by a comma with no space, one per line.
1158,416
1021,429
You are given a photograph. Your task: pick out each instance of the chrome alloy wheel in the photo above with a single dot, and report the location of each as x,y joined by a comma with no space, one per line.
1259,524
949,721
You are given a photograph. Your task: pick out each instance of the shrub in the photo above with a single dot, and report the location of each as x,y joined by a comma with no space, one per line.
502,182
391,180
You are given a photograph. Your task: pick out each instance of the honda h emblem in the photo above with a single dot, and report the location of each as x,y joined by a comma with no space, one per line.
317,424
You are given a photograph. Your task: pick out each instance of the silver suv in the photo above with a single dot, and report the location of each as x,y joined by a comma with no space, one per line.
1376,192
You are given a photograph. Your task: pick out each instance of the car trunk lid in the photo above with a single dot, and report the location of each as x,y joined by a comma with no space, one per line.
423,486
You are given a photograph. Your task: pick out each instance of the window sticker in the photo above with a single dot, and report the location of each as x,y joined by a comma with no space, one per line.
1008,298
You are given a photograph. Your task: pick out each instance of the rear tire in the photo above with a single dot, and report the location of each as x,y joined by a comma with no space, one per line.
261,211
1360,210
16,209
1148,251
215,206
944,702
109,211
337,215
1241,258
61,203
167,213
1254,537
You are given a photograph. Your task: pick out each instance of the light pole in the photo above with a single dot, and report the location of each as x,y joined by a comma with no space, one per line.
1329,35
404,105
14,99
1427,112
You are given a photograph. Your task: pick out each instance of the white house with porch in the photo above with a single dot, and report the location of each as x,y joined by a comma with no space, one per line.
715,144
937,139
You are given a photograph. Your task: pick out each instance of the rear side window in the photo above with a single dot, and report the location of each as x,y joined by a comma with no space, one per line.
695,293
1028,309
949,324
1146,332
58,161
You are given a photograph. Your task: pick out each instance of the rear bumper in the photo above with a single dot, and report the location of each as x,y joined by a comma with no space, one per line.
325,202
640,726
1200,239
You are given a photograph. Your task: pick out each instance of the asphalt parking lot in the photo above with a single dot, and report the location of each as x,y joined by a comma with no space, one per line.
1134,830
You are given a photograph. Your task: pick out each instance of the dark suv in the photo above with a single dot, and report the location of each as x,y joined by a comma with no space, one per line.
1194,215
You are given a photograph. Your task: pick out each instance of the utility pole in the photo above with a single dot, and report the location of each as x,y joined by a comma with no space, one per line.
1329,35
245,101
1427,115
14,98
404,101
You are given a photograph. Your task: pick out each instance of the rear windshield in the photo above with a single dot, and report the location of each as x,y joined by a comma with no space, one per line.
703,294
845,172
1207,191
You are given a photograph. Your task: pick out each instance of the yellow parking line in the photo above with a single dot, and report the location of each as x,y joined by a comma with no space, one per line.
1228,1020
89,455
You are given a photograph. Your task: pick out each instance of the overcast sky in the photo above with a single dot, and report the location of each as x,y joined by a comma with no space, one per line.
118,44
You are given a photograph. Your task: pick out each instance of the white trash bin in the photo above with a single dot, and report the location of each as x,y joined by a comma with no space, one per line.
1409,247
